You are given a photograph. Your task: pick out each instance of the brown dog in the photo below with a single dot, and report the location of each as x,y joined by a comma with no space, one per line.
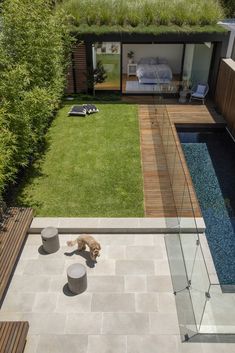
86,239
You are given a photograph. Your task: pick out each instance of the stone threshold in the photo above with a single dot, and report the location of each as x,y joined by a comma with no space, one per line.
119,225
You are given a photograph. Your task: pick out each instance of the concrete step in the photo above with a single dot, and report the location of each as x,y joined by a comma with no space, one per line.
119,225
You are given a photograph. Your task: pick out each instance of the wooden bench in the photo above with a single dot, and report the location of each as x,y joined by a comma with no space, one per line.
13,336
14,229
12,237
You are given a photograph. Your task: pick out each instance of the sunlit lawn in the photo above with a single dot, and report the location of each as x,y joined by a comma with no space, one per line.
91,168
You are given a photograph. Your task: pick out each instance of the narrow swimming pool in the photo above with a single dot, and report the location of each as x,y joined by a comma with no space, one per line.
210,155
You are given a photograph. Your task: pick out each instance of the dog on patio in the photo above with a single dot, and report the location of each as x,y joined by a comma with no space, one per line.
86,240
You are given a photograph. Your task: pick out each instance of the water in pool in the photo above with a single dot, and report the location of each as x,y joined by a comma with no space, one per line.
210,156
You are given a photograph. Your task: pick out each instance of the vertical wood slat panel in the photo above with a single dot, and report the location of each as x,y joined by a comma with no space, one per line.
69,89
78,68
225,92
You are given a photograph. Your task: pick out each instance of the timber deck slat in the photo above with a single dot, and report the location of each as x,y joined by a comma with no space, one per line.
163,196
12,237
13,336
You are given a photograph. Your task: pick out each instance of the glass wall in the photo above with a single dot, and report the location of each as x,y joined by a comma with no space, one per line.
197,62
108,55
203,306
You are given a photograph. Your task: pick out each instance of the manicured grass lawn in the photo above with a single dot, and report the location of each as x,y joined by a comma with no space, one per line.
91,168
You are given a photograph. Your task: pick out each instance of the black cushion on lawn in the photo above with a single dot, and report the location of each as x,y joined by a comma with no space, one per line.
77,110
90,108
94,108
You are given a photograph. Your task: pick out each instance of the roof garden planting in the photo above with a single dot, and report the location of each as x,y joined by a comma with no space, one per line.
100,16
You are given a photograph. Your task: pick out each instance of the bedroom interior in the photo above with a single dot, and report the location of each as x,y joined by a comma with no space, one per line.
156,68
152,68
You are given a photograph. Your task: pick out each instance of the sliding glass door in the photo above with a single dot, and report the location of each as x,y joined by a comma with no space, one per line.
107,55
197,62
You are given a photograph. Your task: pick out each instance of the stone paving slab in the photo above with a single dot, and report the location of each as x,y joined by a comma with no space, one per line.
134,267
129,305
135,283
152,344
84,323
62,343
107,343
113,302
125,323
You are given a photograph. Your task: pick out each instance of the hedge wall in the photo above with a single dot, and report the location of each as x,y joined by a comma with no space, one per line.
34,47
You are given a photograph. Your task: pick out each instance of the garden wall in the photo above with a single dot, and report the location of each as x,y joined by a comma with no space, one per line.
225,92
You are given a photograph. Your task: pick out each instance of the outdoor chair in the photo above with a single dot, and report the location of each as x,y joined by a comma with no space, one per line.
200,92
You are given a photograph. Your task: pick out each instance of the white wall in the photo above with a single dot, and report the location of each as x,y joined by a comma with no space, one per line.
201,63
188,61
172,52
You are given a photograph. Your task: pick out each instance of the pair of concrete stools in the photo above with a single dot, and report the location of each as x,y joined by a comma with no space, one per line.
76,273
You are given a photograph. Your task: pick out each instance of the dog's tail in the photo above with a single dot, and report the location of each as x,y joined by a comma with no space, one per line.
72,242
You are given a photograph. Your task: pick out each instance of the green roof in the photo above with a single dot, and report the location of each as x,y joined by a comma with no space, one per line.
144,16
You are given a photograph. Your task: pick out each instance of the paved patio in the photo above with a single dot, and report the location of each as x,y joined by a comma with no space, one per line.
129,306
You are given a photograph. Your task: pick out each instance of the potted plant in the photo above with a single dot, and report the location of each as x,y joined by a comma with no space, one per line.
130,56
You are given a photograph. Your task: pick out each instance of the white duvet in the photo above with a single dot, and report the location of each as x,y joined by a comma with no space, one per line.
161,72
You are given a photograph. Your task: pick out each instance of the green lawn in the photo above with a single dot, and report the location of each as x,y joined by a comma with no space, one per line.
91,167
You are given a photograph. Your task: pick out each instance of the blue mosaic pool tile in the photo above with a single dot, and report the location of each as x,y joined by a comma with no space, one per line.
219,229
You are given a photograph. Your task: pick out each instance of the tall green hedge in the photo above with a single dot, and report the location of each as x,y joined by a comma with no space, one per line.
34,48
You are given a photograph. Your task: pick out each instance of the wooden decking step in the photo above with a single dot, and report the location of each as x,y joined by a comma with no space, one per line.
163,196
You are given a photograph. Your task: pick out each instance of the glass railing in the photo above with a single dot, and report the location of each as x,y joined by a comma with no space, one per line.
202,306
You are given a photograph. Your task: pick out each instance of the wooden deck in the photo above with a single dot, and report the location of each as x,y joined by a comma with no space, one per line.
192,114
158,194
163,190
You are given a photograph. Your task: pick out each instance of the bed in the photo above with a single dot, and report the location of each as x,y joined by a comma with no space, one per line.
153,70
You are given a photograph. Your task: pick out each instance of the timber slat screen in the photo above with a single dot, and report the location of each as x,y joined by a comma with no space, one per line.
12,236
13,336
225,92
77,71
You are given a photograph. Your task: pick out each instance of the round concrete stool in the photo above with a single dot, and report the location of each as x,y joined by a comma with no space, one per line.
77,278
50,239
